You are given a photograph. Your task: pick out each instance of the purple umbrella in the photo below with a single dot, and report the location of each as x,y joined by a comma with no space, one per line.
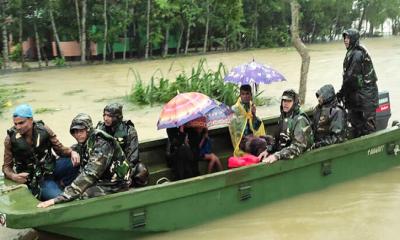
253,73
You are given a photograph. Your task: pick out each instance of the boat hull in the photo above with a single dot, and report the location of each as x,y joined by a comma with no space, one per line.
185,203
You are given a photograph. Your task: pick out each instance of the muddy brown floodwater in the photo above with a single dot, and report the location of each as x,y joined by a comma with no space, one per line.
88,89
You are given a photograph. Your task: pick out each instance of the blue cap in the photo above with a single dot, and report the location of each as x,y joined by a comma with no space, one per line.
23,110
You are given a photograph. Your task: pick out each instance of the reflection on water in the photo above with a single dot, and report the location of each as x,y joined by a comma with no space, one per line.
367,208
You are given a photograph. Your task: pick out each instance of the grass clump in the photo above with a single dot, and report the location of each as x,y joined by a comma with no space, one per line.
200,79
8,95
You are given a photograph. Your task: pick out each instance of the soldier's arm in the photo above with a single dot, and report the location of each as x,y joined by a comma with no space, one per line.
99,160
58,147
8,159
300,141
132,147
337,130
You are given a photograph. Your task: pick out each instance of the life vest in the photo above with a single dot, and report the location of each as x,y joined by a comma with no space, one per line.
35,159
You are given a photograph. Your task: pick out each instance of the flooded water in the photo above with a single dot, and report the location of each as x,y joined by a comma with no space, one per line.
366,208
88,89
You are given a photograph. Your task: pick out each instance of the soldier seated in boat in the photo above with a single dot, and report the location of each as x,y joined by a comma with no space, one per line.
294,134
28,147
329,121
125,133
104,167
244,123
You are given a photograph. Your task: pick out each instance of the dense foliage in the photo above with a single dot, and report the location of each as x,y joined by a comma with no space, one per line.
164,27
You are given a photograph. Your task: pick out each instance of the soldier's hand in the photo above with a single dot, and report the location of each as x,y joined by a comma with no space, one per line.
75,158
263,155
270,159
20,177
46,204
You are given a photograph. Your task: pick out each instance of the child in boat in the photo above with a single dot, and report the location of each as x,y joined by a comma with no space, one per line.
201,143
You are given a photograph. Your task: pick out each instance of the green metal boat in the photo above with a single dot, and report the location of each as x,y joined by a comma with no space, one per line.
173,205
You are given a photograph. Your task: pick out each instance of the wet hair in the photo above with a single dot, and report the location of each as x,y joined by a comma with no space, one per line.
246,88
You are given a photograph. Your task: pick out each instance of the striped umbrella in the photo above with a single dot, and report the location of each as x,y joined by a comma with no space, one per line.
183,108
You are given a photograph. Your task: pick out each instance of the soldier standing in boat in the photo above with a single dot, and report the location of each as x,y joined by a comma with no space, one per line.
125,133
28,147
329,122
294,134
359,89
104,167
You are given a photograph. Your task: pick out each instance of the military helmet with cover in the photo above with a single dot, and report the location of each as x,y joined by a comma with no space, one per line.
81,121
115,110
291,94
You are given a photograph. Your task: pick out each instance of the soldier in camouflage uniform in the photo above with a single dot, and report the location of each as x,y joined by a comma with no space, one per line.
329,123
104,167
359,90
294,134
28,147
125,133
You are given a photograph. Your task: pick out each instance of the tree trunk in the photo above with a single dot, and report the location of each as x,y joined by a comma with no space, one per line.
371,29
105,32
187,37
53,25
178,45
78,20
4,36
362,18
207,25
226,38
301,49
20,39
39,56
83,33
165,52
125,30
146,54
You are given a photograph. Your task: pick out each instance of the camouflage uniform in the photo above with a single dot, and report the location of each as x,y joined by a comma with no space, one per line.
104,168
294,131
359,90
36,159
125,134
329,125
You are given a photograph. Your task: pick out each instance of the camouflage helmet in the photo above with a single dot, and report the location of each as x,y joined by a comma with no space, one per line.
81,121
115,110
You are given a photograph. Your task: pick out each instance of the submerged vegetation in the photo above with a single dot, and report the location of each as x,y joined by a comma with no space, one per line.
8,95
201,79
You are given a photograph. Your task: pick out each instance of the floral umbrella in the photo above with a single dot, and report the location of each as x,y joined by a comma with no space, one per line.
253,73
183,108
220,115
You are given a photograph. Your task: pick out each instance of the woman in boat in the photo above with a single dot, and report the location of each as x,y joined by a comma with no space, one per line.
179,154
201,143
